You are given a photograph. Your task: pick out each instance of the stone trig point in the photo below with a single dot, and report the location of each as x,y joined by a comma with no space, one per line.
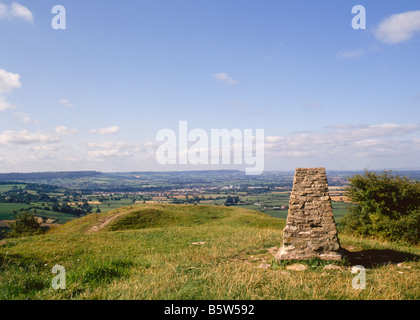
310,228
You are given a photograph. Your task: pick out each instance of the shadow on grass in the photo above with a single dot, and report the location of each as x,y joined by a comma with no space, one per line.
24,262
373,258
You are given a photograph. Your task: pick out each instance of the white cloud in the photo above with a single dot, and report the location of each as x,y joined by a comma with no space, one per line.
25,137
103,131
66,103
21,12
109,149
116,150
384,130
4,105
62,130
8,81
16,10
225,78
398,27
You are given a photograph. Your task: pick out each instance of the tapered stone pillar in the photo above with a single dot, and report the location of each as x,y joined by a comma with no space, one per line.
310,228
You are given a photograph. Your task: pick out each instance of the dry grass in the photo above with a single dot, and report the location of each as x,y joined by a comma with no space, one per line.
163,263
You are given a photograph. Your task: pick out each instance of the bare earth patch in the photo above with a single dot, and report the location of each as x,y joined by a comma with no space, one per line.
104,223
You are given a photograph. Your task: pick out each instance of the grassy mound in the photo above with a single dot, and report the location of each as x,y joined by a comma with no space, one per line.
167,215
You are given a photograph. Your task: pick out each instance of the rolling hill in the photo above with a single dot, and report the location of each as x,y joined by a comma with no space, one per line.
194,252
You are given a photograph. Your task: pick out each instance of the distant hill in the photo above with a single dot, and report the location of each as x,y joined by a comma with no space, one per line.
36,176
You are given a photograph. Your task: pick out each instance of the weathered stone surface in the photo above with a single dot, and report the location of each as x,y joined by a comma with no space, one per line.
310,229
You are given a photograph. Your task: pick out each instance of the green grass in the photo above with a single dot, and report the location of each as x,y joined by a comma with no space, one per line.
162,217
6,210
8,187
60,217
282,214
192,252
107,206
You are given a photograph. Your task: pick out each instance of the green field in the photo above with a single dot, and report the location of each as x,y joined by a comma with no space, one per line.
340,209
107,206
194,252
8,187
6,210
58,216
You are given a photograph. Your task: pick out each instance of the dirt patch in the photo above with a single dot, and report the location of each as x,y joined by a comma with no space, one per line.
273,250
46,222
104,223
81,203
5,223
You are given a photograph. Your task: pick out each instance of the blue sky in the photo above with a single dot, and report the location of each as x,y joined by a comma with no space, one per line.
93,96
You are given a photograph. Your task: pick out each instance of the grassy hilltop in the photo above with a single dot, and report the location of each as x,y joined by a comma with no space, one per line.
194,252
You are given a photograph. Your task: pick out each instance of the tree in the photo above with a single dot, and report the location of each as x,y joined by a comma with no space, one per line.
388,206
25,224
232,200
86,207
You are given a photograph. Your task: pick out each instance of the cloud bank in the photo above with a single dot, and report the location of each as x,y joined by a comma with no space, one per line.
346,142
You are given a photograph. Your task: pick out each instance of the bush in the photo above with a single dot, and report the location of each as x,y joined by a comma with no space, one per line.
388,207
25,224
